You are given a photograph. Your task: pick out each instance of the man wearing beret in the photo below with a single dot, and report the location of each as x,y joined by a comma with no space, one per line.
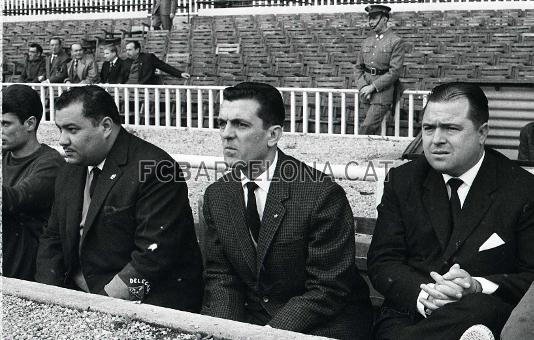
379,67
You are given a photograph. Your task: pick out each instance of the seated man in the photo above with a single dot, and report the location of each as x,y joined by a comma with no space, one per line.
280,235
28,172
453,241
35,66
82,68
121,224
143,66
56,62
526,143
114,69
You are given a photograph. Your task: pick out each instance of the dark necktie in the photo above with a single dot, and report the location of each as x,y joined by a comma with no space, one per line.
96,172
456,208
253,218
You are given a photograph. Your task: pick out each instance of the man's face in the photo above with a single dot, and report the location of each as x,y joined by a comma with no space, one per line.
33,54
243,136
55,46
131,51
451,141
377,22
83,143
109,56
15,134
76,51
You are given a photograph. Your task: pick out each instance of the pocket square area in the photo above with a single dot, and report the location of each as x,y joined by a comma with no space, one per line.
493,241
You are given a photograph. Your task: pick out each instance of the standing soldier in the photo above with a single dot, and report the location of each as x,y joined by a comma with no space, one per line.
379,67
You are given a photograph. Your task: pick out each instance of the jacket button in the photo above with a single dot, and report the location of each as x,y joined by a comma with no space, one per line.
246,304
179,279
265,299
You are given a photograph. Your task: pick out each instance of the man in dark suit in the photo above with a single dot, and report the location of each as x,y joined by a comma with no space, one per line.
121,224
280,235
453,240
35,66
526,143
56,62
114,69
143,66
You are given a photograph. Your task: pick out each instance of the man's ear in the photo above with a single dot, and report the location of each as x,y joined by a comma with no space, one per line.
274,133
108,125
483,131
31,124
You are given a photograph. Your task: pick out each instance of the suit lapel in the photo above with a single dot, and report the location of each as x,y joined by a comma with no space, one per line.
436,203
236,209
476,204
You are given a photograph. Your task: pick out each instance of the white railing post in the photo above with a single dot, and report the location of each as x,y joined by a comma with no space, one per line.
156,107
200,116
51,101
210,109
305,112
147,107
137,114
317,112
293,112
343,113
178,108
189,114
126,106
43,100
167,107
330,113
410,115
397,117
356,113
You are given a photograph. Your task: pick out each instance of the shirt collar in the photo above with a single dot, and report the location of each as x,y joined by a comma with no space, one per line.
469,176
114,61
264,180
99,166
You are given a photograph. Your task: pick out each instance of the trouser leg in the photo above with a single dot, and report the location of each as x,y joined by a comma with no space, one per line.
375,113
166,22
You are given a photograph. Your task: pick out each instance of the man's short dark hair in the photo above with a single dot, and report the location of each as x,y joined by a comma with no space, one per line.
22,101
136,44
96,102
271,111
37,47
478,102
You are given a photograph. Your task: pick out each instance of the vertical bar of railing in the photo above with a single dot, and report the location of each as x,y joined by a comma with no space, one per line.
147,107
117,97
317,112
137,114
210,109
383,126
410,115
51,102
304,112
200,116
397,117
178,108
343,114
42,95
126,106
356,113
156,107
189,114
167,107
293,112
330,113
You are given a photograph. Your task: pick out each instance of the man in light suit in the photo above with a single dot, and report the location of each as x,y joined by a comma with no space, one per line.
453,241
56,62
279,244
378,69
114,69
82,69
163,12
121,224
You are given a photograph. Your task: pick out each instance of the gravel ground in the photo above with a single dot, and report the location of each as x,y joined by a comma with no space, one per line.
24,319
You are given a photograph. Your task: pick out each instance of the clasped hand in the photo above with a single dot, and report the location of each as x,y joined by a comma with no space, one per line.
450,287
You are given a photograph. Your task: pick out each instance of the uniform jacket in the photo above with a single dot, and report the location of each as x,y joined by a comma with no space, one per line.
139,226
149,64
410,236
56,71
386,53
87,71
165,7
116,75
302,276
526,143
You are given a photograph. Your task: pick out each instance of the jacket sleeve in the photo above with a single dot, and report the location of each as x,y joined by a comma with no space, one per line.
163,66
527,132
330,267
60,73
386,259
359,74
224,293
395,67
92,73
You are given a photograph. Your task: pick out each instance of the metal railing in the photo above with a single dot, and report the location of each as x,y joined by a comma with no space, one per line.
308,110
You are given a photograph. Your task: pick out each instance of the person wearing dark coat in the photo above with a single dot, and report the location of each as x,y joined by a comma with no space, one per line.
114,70
35,66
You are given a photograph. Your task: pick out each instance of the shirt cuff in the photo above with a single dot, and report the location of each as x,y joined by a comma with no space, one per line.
420,306
117,288
488,287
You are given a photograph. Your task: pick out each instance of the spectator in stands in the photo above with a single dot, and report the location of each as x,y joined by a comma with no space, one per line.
144,65
379,67
121,224
28,172
526,143
453,240
56,63
279,237
114,69
35,66
163,12
82,68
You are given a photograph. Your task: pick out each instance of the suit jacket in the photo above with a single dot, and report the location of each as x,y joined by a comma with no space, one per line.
116,75
165,7
86,72
33,70
410,238
139,227
386,53
302,276
149,64
56,71
526,143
